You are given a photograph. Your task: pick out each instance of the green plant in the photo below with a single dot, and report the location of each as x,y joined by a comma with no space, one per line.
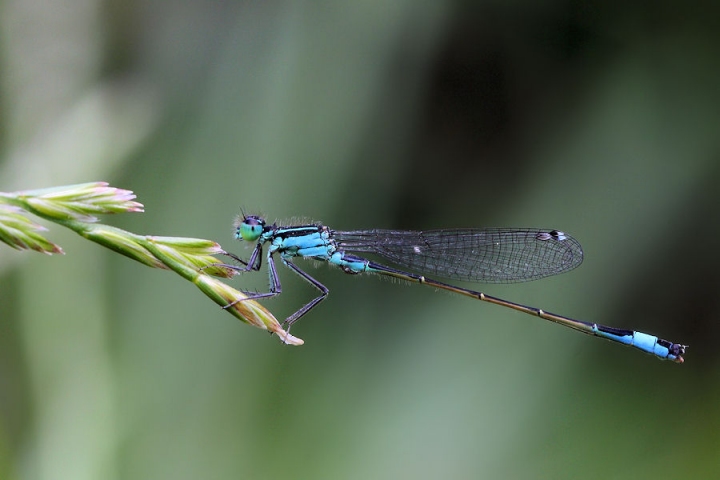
75,207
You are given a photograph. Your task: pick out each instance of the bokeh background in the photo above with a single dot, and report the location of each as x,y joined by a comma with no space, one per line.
598,118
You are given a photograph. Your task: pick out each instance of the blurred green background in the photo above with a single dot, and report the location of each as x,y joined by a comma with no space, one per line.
598,118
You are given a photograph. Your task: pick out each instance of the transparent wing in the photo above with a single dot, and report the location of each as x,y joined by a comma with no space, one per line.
492,255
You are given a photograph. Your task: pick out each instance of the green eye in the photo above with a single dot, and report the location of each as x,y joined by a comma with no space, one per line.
250,228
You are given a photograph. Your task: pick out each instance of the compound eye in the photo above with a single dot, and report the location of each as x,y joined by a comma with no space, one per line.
250,228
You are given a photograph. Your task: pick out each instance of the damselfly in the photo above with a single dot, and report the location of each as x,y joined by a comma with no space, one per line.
490,255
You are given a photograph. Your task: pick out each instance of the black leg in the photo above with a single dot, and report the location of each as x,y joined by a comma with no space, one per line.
313,303
275,287
253,263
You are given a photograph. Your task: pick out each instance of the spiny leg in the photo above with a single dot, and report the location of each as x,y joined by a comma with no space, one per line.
313,303
275,287
253,263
